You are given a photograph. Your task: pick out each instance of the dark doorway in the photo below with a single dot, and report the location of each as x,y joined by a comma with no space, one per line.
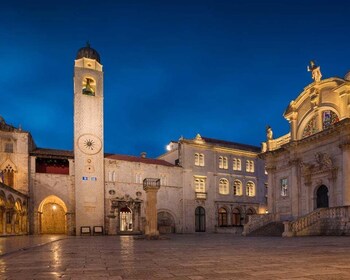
200,219
322,197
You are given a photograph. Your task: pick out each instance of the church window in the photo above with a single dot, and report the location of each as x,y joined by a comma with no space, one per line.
198,159
310,128
8,147
329,118
222,217
223,186
250,189
223,163
284,187
237,188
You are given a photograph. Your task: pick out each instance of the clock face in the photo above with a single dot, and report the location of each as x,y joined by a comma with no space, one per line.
89,144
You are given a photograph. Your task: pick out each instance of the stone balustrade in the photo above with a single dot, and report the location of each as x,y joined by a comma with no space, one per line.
257,221
323,221
275,144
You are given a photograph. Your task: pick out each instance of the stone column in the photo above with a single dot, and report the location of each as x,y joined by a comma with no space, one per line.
151,187
293,187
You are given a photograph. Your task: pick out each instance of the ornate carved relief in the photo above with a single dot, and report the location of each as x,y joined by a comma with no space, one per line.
323,163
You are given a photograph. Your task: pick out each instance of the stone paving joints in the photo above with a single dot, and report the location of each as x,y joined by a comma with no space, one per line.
182,256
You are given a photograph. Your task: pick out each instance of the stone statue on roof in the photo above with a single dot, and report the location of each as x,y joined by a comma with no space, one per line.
269,133
315,71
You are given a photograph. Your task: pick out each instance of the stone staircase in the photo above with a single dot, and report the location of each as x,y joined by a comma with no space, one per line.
323,221
271,229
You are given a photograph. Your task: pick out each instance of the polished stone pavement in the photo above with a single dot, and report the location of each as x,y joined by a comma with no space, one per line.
186,256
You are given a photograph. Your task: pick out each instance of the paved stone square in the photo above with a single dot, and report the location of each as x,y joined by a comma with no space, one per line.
186,256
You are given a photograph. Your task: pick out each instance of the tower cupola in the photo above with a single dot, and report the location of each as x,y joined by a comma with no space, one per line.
88,52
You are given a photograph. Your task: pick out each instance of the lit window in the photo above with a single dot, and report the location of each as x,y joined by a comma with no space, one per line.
237,188
329,118
310,128
250,189
223,163
239,164
250,166
284,187
201,160
198,159
199,184
223,186
222,217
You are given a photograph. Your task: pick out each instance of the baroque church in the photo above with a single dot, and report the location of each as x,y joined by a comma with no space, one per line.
309,168
205,184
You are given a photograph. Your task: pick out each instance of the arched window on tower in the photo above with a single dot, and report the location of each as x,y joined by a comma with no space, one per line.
237,188
89,86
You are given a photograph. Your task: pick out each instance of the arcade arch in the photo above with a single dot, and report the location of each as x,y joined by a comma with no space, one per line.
52,216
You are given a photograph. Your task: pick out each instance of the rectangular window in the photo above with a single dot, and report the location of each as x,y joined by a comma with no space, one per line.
223,163
284,187
199,184
8,147
250,166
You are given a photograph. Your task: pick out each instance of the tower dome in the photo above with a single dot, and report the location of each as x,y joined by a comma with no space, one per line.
88,52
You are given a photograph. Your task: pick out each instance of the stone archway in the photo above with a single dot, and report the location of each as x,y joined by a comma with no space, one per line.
52,216
322,197
166,222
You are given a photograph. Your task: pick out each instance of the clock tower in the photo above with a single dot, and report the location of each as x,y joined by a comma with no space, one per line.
88,140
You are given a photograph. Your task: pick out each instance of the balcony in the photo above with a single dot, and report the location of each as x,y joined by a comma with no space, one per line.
201,195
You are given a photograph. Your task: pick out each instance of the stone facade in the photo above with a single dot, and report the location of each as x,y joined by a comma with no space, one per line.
205,184
212,199
308,168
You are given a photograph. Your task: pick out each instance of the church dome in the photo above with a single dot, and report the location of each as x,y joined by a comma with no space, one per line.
88,52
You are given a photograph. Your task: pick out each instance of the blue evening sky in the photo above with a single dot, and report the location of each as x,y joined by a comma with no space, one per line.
224,69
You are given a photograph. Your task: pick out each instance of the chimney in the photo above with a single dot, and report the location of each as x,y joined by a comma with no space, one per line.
143,154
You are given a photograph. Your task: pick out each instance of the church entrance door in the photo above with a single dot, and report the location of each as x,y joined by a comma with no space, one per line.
322,197
125,216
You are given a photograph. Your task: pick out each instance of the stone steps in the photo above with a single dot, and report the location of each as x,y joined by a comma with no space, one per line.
271,229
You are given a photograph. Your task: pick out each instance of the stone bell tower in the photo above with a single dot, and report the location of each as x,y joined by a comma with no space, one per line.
88,140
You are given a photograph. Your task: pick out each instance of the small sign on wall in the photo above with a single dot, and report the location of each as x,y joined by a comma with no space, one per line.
85,178
93,179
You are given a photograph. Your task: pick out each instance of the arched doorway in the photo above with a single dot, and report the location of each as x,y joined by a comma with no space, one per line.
322,197
166,222
222,217
125,219
249,212
236,217
52,216
200,219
